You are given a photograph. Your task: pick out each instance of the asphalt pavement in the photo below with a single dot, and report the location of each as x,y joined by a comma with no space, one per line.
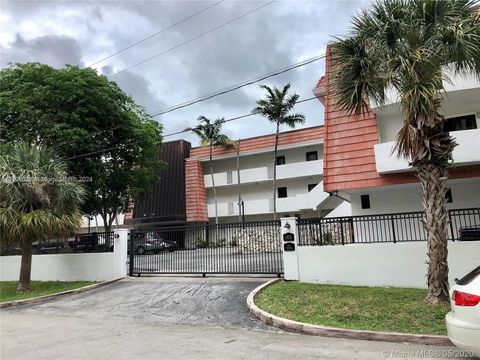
173,318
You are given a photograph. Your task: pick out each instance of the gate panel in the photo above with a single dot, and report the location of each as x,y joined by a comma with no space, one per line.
248,248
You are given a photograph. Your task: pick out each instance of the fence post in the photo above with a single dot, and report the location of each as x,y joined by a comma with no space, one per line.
451,224
393,229
341,232
290,248
120,238
131,249
352,233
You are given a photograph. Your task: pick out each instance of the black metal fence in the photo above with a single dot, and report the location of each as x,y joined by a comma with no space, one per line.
79,243
248,248
463,225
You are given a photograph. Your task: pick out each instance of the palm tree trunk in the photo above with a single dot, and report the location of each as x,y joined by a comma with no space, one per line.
213,185
433,179
239,184
275,173
25,267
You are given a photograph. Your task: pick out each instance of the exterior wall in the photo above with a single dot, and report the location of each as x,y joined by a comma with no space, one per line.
408,198
166,200
196,196
72,267
400,265
349,158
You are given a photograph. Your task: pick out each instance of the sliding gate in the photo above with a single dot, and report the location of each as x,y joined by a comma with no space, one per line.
238,248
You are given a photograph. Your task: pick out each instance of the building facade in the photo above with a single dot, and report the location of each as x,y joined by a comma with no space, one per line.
165,204
359,163
249,197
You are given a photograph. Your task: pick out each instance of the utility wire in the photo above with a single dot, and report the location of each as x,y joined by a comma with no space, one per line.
238,86
195,38
222,92
171,134
155,34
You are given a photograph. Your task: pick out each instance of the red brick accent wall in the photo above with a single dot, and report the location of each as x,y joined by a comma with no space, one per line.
263,142
196,195
349,158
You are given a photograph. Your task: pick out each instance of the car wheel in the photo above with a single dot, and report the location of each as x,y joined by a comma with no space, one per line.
141,250
35,251
171,249
156,251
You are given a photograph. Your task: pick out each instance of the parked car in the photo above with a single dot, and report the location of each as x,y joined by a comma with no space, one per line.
469,233
463,321
90,242
151,242
46,246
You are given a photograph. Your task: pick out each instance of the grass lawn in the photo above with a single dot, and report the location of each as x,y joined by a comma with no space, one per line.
8,289
352,307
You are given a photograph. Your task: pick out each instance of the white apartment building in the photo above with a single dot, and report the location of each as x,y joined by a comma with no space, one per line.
299,187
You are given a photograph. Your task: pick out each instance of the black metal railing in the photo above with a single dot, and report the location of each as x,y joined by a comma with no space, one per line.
463,225
79,243
237,248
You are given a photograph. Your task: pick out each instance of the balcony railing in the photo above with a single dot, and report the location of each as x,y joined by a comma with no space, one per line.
305,201
265,173
466,153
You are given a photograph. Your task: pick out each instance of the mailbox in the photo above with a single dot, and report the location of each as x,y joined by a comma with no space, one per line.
288,237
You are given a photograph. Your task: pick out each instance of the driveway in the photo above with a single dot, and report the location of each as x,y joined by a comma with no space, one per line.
170,318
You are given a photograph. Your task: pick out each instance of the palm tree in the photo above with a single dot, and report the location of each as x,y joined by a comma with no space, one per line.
210,135
405,46
276,107
37,201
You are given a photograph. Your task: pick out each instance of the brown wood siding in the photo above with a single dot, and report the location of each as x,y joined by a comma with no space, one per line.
166,202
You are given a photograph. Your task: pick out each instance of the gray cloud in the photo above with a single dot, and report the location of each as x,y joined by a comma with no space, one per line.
50,49
280,34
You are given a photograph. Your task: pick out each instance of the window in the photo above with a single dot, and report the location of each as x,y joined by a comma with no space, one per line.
365,199
282,192
311,186
280,160
312,155
464,122
448,196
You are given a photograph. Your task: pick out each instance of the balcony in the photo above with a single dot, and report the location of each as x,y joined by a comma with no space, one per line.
466,153
457,83
306,201
265,173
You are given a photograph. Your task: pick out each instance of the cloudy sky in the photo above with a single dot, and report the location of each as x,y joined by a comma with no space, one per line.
275,36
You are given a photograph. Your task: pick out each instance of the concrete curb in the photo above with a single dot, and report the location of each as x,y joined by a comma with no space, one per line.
44,298
318,330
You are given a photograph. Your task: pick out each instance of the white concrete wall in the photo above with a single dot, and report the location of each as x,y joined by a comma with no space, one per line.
407,198
73,267
400,265
466,153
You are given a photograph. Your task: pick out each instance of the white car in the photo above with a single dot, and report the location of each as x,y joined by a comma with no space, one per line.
463,321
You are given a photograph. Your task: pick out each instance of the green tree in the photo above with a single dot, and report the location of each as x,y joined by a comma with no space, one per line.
88,121
405,46
38,201
210,135
276,107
